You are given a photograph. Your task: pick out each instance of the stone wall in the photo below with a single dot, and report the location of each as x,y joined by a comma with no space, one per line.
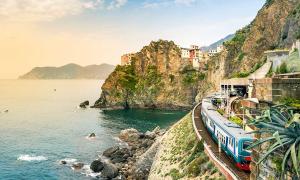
275,89
277,57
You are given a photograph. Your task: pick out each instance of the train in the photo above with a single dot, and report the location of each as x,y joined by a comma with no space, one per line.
232,138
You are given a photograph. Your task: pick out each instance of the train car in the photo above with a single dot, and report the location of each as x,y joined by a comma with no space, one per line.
233,139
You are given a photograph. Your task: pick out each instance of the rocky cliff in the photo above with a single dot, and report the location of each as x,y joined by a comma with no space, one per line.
275,26
156,78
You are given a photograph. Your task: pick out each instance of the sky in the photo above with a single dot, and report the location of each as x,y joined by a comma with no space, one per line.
57,32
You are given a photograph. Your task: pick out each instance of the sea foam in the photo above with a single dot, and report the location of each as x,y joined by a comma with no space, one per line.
26,157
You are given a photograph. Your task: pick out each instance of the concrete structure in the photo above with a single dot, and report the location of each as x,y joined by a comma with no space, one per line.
126,58
277,57
275,89
296,45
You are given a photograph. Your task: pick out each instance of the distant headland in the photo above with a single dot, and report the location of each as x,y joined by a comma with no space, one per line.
70,71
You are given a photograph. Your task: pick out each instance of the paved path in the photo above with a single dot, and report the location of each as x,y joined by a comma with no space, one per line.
224,163
261,72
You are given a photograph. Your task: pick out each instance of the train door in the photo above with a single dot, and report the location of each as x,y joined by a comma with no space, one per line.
226,142
231,144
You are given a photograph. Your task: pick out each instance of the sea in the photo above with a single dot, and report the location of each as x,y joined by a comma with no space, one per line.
41,124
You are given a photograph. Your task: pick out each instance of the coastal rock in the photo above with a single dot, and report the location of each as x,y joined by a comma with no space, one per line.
144,162
97,166
78,165
129,135
117,154
92,135
156,73
63,162
150,134
108,152
84,104
109,170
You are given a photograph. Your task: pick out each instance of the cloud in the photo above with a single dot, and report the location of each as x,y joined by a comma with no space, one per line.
114,4
48,10
185,2
164,3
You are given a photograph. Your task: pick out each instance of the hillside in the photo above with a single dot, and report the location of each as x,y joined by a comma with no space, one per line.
275,26
70,71
181,155
156,78
218,43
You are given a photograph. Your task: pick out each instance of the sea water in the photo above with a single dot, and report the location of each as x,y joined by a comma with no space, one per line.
44,125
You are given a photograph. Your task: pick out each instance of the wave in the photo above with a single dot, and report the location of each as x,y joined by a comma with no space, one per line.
26,157
88,172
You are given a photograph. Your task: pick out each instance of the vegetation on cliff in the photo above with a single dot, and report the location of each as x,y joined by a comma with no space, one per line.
156,78
275,26
181,155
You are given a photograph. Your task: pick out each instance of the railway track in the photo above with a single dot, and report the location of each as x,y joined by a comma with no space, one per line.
221,160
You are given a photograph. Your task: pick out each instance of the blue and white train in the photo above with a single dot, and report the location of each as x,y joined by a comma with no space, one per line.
233,139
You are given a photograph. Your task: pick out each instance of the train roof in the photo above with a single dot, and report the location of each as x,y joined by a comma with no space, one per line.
228,126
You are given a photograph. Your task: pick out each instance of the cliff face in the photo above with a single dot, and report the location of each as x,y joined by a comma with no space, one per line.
156,78
275,26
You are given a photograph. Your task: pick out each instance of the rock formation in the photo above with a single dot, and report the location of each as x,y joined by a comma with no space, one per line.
132,161
156,78
275,26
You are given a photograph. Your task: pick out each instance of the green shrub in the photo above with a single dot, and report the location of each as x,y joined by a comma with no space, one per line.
175,174
291,102
221,111
269,3
241,56
282,69
241,74
194,168
236,120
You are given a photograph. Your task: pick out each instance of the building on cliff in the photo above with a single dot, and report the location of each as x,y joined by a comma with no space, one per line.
213,52
126,58
193,55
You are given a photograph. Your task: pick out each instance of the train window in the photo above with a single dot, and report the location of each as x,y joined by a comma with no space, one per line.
211,124
246,144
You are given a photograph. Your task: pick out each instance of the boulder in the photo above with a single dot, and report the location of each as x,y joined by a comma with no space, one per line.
109,170
150,134
63,162
120,155
156,130
92,135
108,152
97,166
129,135
84,104
117,154
78,165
